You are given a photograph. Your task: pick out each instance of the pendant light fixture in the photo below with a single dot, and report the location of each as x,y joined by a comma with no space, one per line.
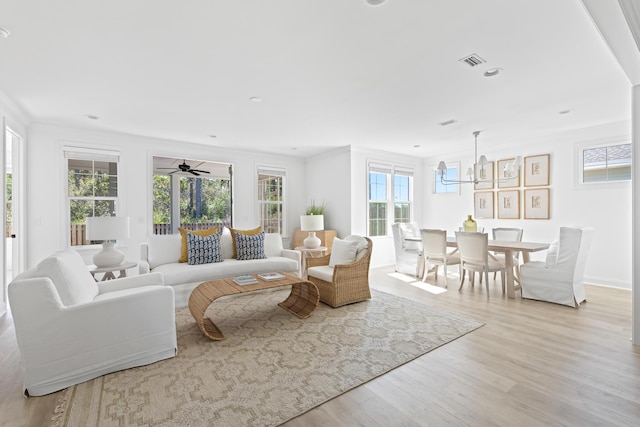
479,165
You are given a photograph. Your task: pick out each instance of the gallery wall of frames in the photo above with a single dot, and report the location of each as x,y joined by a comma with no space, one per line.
504,193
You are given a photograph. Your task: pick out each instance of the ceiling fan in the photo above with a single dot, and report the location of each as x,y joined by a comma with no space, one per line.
184,167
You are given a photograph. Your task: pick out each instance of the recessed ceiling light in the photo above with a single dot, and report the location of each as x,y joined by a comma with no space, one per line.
492,72
375,2
4,33
255,99
565,111
212,136
92,117
416,146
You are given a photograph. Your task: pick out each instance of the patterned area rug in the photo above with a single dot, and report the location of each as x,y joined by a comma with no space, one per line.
272,367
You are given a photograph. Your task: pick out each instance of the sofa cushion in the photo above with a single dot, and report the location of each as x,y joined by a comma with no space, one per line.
164,249
362,247
250,246
203,249
183,236
343,252
179,273
235,231
272,244
70,275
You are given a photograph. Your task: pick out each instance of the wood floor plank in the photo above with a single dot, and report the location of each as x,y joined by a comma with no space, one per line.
531,364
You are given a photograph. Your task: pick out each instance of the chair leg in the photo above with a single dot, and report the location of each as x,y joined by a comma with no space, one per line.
444,267
486,279
462,278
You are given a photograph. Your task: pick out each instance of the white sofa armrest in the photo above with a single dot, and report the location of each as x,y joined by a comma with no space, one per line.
131,282
296,256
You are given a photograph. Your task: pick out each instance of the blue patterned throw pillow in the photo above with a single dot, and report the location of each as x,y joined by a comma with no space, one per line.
203,249
250,247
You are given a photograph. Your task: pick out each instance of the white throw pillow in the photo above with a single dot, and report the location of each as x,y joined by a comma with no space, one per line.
343,252
552,254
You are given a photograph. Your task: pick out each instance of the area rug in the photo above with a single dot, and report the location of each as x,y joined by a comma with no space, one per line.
271,368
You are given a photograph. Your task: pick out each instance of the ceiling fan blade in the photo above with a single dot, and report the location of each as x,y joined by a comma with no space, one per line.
194,172
198,170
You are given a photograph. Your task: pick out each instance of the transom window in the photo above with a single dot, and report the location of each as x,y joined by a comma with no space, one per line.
605,163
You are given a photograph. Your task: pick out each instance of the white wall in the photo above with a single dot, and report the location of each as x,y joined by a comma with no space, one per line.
605,207
46,216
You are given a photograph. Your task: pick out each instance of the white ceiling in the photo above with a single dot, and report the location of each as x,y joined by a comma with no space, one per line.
330,72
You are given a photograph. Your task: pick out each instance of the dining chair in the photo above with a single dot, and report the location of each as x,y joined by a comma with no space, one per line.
408,252
509,235
475,257
434,252
560,278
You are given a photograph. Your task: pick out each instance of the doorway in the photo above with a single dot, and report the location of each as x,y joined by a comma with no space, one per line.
11,248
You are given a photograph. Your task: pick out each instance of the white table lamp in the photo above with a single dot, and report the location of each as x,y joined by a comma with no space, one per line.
312,223
108,229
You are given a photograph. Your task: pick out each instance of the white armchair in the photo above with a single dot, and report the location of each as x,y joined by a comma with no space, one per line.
71,329
408,253
560,279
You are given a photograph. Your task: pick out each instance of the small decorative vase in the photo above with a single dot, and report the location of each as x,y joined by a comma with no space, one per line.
470,225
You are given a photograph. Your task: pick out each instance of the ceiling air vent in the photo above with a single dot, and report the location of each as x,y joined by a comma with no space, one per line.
448,122
473,60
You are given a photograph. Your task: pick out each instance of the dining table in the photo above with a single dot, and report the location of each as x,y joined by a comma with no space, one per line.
509,249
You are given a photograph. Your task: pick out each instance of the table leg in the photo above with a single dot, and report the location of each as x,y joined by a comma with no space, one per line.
508,262
302,300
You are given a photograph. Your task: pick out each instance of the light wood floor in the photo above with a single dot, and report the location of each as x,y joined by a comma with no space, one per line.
532,364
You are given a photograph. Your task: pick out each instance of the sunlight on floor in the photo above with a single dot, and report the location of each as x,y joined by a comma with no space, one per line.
418,284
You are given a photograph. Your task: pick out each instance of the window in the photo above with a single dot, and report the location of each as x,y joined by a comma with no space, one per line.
271,201
605,163
92,188
450,174
389,184
194,201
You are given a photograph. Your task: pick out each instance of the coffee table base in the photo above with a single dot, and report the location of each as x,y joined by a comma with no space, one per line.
302,300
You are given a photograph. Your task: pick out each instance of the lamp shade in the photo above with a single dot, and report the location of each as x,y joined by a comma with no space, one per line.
108,228
311,222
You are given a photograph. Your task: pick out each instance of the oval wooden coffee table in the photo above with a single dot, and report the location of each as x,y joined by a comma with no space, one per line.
302,300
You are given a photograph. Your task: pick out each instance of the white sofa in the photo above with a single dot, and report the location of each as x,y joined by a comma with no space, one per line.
162,252
71,329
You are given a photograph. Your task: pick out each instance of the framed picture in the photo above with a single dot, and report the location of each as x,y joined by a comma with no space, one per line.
483,204
485,177
536,170
509,204
536,203
507,178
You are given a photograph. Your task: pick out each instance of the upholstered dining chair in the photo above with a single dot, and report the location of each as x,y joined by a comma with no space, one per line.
560,278
509,235
408,253
343,276
475,257
434,252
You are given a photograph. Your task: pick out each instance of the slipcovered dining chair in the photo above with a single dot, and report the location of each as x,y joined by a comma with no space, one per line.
434,252
560,278
475,257
408,253
509,235
342,277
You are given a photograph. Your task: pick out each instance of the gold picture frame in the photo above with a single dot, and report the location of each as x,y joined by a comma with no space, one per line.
483,204
509,204
507,179
485,176
536,170
537,203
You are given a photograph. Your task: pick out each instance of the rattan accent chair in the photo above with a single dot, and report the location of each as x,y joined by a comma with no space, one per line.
349,283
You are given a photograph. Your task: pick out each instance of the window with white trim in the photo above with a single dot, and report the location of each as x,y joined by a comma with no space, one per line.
92,188
271,199
390,195
605,163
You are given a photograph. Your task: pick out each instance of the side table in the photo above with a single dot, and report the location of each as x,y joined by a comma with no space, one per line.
310,253
108,271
